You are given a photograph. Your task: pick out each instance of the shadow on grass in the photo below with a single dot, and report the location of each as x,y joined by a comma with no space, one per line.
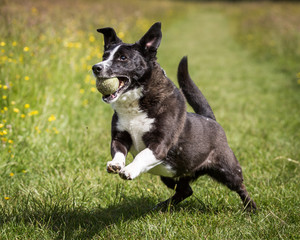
68,222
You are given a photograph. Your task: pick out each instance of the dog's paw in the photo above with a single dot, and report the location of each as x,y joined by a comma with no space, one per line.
125,175
164,206
250,207
113,167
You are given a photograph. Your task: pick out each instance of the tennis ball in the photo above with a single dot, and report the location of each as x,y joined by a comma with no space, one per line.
108,86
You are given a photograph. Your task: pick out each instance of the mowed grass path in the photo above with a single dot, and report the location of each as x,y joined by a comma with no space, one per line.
258,107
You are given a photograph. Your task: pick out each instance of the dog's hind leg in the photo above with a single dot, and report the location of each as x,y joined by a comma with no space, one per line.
249,204
182,191
230,174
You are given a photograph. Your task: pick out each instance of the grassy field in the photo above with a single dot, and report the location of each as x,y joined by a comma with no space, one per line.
55,130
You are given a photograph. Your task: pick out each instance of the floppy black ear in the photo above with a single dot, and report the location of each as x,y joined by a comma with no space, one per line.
151,40
110,37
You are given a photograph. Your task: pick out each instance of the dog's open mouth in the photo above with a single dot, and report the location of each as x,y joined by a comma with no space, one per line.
124,82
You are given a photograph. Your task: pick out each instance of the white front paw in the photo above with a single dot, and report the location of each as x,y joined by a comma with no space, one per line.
114,167
125,174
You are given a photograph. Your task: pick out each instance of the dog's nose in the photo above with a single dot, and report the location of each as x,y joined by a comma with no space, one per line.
97,68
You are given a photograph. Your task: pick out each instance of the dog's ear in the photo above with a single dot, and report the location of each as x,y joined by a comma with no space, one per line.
151,40
110,37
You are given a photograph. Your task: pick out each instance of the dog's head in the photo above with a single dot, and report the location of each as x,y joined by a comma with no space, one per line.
127,62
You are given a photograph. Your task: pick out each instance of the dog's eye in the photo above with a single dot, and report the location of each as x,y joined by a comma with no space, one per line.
123,58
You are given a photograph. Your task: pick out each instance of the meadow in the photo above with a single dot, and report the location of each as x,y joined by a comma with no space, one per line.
55,129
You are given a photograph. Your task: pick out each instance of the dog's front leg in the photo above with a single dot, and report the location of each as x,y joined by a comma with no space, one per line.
119,152
143,162
120,145
116,164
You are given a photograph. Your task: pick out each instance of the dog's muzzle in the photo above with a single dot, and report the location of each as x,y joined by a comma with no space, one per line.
97,69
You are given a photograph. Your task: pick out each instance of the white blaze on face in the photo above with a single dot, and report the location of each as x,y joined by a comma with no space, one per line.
108,62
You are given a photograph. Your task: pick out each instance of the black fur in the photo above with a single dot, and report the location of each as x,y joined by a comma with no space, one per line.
192,92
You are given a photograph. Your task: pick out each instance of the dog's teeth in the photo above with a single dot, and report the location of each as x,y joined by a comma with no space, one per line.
121,84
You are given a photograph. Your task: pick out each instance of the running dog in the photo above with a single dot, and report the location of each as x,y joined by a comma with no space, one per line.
151,122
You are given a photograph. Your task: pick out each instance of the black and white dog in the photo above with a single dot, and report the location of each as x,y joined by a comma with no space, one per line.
150,121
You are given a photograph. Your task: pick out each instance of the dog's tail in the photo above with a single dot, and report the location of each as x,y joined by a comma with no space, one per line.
192,93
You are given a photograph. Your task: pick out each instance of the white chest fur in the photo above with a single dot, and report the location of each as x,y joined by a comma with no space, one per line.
131,118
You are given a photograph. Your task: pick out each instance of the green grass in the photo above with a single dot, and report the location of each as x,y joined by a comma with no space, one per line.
53,182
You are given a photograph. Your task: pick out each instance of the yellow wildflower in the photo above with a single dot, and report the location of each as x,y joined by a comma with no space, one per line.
6,198
5,109
93,82
26,49
14,43
68,44
35,112
10,141
11,174
16,110
55,130
89,67
78,45
81,91
85,102
121,34
1,125
87,79
34,11
2,44
23,115
13,102
4,97
26,78
51,118
4,132
37,129
93,89
92,39
42,37
26,105
5,87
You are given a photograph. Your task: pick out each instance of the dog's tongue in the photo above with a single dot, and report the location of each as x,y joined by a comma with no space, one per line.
107,98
